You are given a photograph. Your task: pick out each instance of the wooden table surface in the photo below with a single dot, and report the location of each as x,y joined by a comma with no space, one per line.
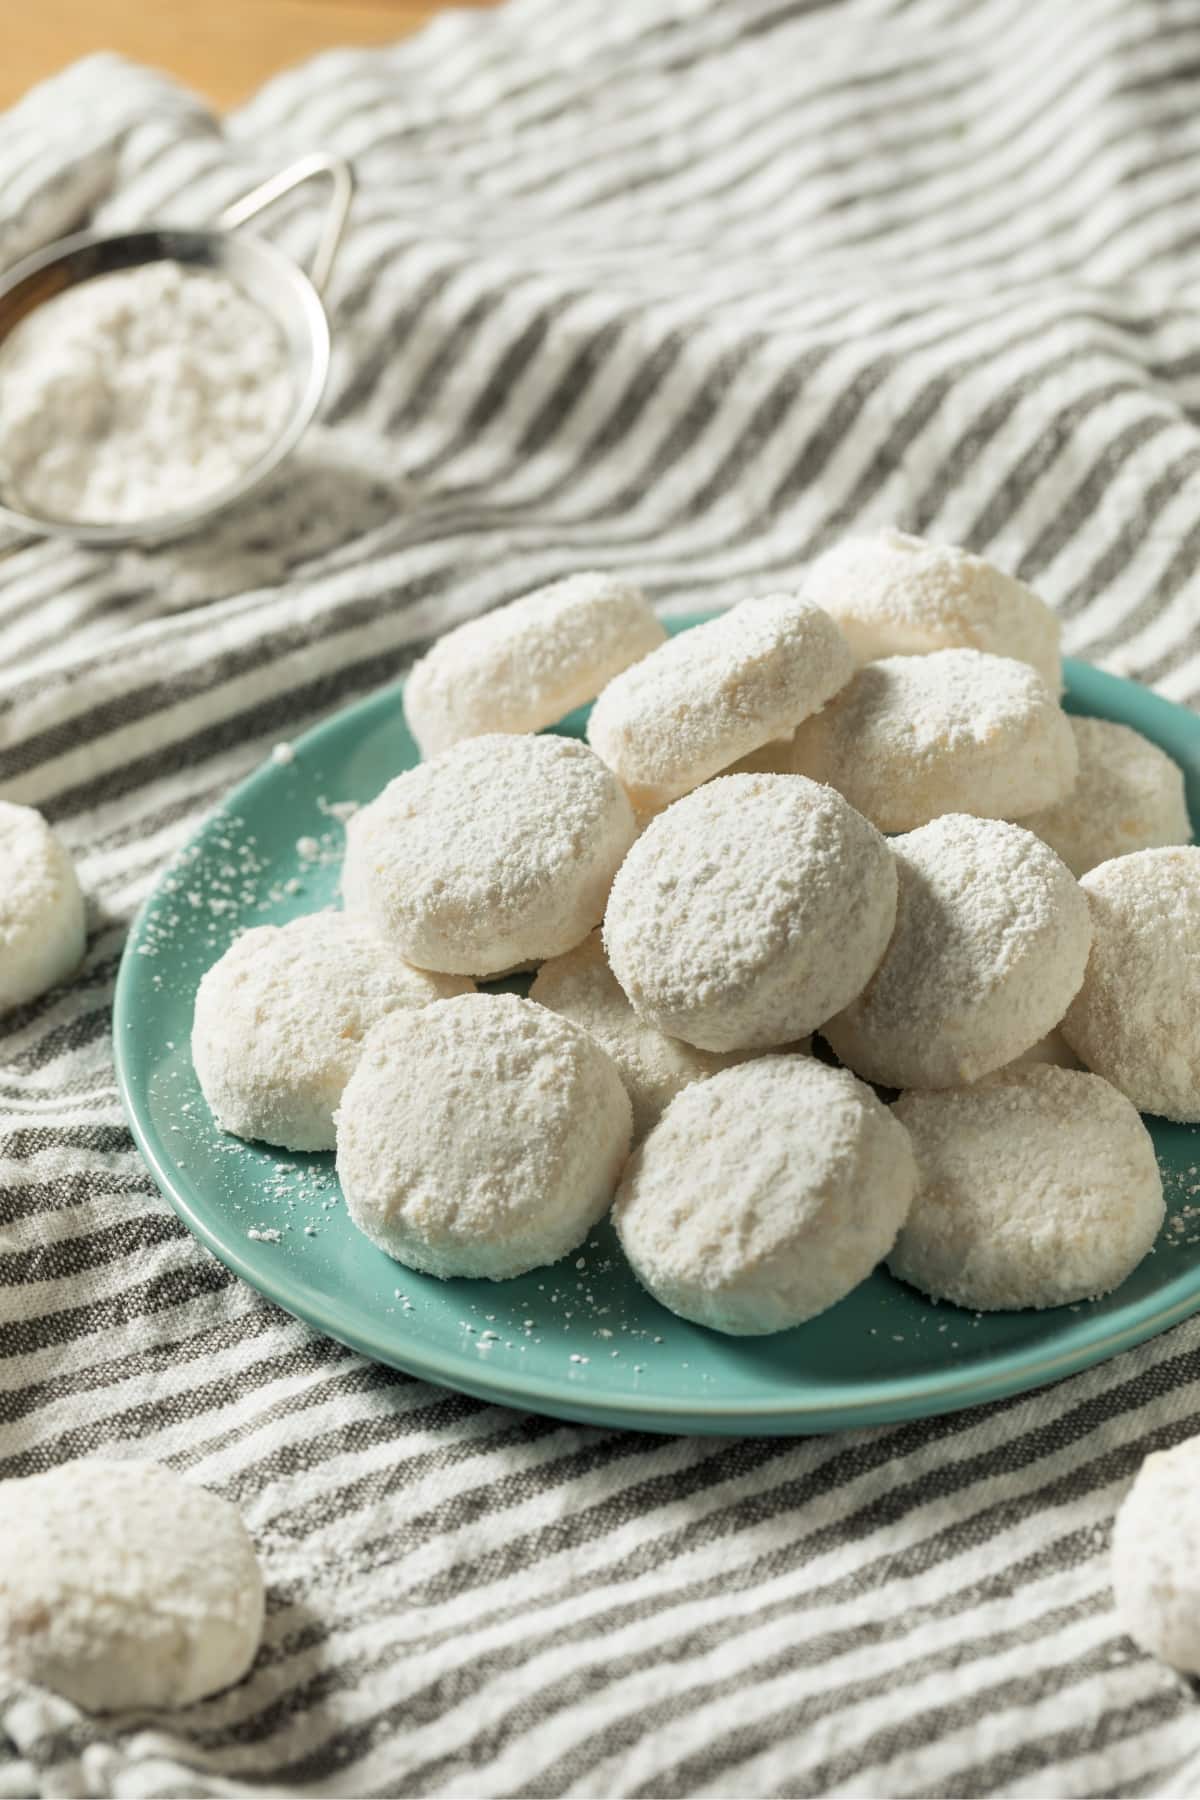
223,48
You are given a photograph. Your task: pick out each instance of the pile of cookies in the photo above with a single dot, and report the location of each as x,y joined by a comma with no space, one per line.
702,886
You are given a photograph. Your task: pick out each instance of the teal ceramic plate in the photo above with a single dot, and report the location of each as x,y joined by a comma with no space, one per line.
580,1340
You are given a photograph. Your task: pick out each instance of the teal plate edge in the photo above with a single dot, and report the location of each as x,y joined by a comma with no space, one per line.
1045,1348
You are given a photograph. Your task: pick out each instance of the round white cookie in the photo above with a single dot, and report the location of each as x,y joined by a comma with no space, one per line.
280,1020
1156,1557
749,912
1136,1018
1037,1187
122,1585
913,737
765,1195
715,693
654,1068
1128,796
500,851
524,665
991,940
481,1136
897,595
43,925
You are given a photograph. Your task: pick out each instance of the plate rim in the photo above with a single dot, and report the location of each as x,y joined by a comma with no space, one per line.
881,1401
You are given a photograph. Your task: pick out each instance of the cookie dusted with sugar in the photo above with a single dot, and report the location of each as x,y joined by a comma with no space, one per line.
581,986
499,852
991,939
280,1021
122,1585
43,922
1128,796
1136,1018
1037,1187
897,595
1156,1557
716,693
765,1195
749,912
914,737
522,666
481,1137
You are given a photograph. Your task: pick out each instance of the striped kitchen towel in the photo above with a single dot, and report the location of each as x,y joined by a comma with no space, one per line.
682,288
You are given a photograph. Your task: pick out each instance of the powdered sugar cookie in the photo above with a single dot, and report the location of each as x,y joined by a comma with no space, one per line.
1136,1018
500,851
280,1021
122,1585
1037,1187
991,939
713,694
1128,796
1156,1557
524,665
896,595
42,915
581,986
749,912
481,1136
913,737
764,1195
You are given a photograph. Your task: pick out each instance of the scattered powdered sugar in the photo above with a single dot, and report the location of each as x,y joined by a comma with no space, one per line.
341,810
137,394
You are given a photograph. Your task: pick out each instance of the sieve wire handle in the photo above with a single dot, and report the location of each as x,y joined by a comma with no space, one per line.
339,175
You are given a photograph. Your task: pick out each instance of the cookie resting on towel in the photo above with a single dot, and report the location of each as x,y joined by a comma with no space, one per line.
123,1585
